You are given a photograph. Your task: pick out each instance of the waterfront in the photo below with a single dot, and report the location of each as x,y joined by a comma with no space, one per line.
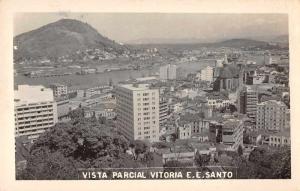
103,78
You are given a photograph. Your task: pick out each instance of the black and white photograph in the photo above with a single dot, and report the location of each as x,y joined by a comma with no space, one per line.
110,96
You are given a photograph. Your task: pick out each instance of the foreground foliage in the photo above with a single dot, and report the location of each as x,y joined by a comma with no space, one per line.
67,147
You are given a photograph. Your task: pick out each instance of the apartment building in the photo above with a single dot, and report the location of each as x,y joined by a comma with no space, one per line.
279,139
35,110
247,101
272,115
184,131
232,134
217,101
167,72
163,110
138,111
59,89
207,74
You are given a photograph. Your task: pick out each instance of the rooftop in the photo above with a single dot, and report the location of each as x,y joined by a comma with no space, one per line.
33,94
192,117
232,123
284,133
272,102
57,85
136,86
229,71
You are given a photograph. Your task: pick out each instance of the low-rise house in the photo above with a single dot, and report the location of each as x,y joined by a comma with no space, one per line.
59,89
202,137
184,157
197,122
184,131
258,79
101,110
278,139
217,101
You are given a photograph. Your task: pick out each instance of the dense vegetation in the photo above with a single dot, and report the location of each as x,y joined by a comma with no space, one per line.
82,143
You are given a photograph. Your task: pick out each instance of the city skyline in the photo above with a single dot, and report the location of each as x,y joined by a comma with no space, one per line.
87,102
166,27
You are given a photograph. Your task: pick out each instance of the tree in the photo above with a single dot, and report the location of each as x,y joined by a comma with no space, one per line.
110,83
61,151
77,114
102,120
202,160
232,108
240,150
246,138
139,147
271,163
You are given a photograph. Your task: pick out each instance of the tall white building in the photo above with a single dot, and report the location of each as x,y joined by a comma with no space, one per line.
35,110
138,111
207,74
272,115
167,72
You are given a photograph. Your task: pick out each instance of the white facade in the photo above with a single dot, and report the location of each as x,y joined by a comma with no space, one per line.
163,110
232,134
138,111
218,102
167,72
185,131
280,139
59,89
258,79
207,74
219,63
272,115
35,110
251,101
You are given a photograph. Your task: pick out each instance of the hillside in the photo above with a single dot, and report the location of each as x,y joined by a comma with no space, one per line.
238,43
60,38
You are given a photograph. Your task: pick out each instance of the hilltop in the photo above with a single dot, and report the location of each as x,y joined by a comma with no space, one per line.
60,38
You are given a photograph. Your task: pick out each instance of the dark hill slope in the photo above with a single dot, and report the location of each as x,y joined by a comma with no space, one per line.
60,38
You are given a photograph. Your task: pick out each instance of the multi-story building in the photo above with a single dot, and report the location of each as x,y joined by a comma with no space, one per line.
184,131
278,139
272,115
163,110
227,130
207,74
247,101
217,101
232,134
138,111
167,72
197,122
215,131
59,89
102,110
259,78
35,110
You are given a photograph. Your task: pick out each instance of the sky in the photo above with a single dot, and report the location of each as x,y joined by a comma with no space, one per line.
147,27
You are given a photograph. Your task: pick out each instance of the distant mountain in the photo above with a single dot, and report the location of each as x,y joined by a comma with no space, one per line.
234,43
238,43
271,38
60,38
171,41
281,39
